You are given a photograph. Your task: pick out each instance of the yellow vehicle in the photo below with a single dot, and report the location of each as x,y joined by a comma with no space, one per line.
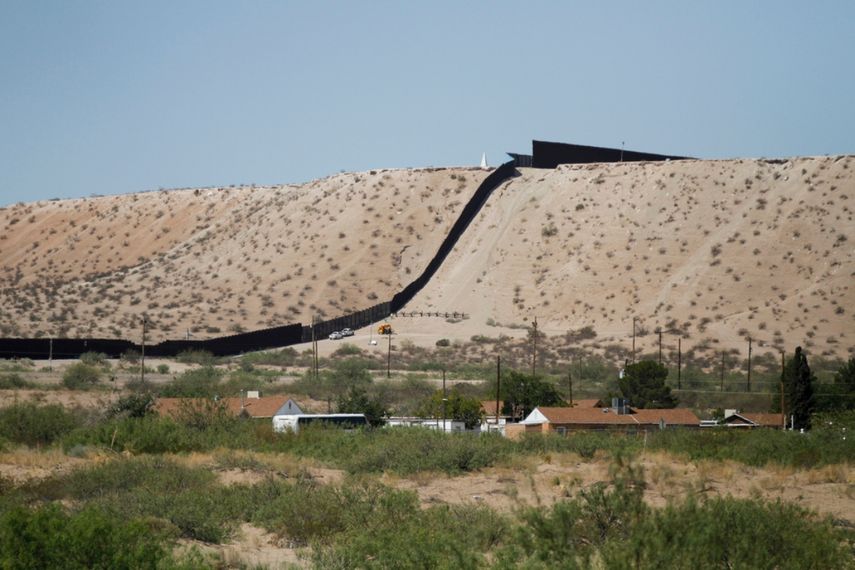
385,328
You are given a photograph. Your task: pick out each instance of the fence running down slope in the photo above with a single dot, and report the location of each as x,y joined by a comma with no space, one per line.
41,348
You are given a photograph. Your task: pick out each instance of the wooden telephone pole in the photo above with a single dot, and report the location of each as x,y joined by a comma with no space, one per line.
534,352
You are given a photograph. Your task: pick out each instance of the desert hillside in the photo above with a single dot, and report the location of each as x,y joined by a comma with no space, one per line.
220,260
717,250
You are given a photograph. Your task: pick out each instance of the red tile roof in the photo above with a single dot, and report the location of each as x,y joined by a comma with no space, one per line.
671,416
768,420
592,403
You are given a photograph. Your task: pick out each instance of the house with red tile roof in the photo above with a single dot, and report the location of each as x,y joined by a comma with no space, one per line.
623,418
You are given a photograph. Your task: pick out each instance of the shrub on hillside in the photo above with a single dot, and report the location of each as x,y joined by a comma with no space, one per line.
94,358
80,376
196,383
13,381
48,537
202,357
32,424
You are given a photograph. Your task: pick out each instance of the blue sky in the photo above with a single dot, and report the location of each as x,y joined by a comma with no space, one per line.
113,97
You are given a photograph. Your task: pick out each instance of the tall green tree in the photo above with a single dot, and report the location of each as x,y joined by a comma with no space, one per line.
643,384
523,392
798,383
458,407
358,401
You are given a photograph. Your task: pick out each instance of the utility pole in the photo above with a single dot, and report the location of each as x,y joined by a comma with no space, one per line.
570,386
314,352
142,356
679,360
633,340
389,357
721,379
50,353
534,352
444,402
660,345
622,143
748,387
783,411
498,386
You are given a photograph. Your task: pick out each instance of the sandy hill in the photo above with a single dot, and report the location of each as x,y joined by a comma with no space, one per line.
219,260
717,250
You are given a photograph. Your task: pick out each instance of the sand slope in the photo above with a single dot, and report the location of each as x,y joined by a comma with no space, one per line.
719,250
218,260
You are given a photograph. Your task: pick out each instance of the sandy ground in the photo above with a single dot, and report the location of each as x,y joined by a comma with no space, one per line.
718,250
217,260
533,482
829,491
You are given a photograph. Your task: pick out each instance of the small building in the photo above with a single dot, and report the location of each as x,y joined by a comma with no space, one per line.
750,420
620,417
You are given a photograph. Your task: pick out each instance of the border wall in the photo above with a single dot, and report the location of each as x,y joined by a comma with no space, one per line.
41,348
551,154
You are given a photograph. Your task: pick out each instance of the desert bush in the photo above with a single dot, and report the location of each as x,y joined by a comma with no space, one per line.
13,381
347,349
201,357
153,487
284,357
48,537
94,358
80,375
163,369
730,533
758,447
410,450
32,424
197,383
384,528
610,526
134,405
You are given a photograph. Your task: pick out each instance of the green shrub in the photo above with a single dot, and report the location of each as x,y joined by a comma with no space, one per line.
152,487
759,447
80,375
730,533
163,369
202,357
32,424
94,358
284,357
13,381
197,383
50,538
410,450
611,527
134,405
